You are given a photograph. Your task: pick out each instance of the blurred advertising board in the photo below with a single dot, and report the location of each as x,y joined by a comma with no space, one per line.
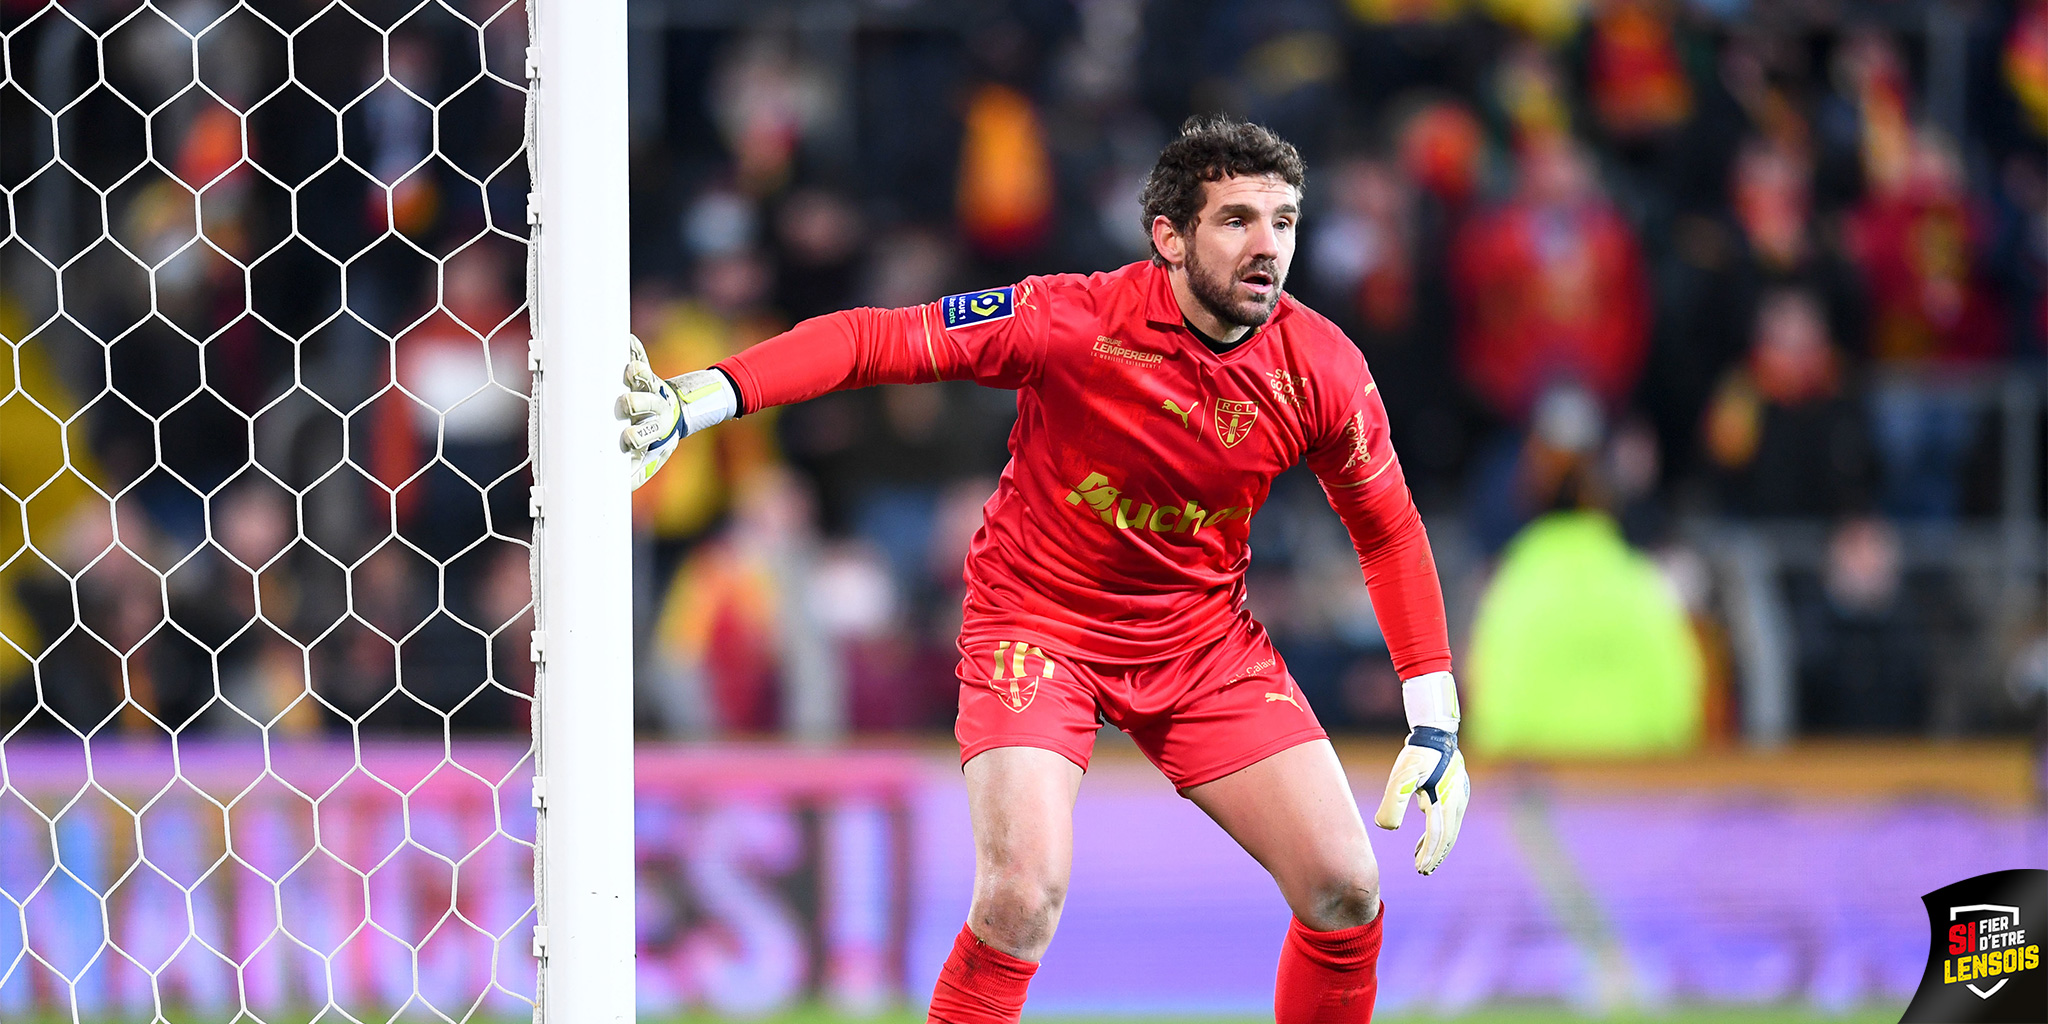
769,876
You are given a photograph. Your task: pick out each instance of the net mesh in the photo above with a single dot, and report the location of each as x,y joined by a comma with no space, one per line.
265,687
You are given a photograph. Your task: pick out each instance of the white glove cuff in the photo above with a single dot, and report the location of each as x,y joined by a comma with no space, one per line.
1431,699
706,398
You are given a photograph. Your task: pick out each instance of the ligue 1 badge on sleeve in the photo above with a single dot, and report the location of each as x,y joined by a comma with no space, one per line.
1984,962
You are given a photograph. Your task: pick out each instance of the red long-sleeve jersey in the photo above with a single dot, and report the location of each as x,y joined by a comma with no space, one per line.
1119,529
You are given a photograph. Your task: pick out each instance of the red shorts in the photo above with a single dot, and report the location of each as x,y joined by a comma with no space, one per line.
1198,716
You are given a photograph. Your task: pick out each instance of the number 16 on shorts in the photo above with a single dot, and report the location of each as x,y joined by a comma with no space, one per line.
1018,668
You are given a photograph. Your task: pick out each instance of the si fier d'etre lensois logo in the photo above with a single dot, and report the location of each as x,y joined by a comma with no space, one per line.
1984,963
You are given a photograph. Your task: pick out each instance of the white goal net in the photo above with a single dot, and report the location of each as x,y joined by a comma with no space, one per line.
265,599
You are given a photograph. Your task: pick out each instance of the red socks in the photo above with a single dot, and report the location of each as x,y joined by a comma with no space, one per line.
1328,977
1325,978
981,984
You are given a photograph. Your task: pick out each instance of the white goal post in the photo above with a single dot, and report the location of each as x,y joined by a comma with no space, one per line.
582,544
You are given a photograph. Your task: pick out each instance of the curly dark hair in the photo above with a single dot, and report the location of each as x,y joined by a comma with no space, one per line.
1211,148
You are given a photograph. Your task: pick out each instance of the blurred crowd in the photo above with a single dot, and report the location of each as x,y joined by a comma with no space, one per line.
1627,271
1652,262
263,416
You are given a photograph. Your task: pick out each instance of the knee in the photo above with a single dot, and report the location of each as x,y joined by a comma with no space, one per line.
1341,897
1017,910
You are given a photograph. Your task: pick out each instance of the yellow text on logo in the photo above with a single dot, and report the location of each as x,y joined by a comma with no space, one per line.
1108,346
1174,516
1987,965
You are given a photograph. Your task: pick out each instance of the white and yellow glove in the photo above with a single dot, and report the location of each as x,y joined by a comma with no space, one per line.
663,412
1431,768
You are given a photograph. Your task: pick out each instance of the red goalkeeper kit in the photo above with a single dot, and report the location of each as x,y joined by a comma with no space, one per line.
1108,576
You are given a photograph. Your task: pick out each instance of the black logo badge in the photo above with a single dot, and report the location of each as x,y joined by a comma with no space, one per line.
1984,963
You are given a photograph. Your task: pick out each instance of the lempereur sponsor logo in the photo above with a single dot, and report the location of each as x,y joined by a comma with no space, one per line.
980,307
1234,421
1984,963
1172,515
1109,347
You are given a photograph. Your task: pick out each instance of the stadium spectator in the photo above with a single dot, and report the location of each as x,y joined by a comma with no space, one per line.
1366,251
1580,647
1783,429
1553,466
1550,290
1866,640
455,425
1636,78
817,253
1005,202
1915,239
724,313
260,671
737,649
1443,148
503,600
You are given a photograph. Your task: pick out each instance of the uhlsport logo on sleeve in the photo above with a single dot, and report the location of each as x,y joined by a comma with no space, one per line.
980,307
1984,962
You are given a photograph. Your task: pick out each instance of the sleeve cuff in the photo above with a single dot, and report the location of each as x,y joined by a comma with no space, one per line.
739,395
1431,699
747,395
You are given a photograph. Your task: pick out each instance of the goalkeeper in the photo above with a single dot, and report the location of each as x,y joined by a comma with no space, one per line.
1155,404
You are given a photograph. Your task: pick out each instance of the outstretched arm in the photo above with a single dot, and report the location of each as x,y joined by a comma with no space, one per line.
994,337
860,347
1363,480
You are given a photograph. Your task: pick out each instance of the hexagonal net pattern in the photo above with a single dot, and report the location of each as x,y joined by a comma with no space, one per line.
265,584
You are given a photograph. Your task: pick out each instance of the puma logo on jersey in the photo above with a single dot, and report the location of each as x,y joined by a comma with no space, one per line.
1286,693
1180,412
1171,516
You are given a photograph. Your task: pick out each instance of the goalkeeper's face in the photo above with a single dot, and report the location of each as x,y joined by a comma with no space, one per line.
1240,247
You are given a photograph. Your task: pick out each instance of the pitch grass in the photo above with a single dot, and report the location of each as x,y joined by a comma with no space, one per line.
1763,1015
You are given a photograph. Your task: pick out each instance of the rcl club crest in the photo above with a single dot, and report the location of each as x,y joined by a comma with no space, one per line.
1234,421
1019,667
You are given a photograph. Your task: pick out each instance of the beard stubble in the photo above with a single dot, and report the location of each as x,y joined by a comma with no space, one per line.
1215,291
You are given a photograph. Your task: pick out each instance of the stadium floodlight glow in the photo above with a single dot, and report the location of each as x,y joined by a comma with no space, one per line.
245,376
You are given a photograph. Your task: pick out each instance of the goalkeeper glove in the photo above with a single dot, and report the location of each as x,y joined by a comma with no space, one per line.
663,412
1431,768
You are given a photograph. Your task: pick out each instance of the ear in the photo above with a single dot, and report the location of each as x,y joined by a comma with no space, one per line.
1166,238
